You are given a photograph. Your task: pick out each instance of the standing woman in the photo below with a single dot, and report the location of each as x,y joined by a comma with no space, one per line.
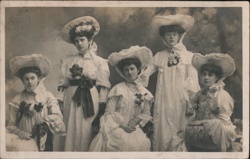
82,74
177,79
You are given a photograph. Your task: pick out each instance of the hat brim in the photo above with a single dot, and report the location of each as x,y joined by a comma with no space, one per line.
224,61
142,53
66,29
38,60
185,21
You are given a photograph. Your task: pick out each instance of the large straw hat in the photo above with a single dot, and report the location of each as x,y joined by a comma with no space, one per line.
38,60
142,53
224,61
185,21
87,22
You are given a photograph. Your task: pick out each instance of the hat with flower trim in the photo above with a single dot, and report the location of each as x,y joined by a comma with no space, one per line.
142,53
224,61
185,21
38,60
85,23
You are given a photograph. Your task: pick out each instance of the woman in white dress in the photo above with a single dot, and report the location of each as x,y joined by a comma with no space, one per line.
81,75
128,106
34,113
211,129
177,80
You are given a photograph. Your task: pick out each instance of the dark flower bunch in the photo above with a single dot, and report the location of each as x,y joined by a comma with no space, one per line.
25,109
173,59
86,82
215,110
76,71
139,99
196,106
38,107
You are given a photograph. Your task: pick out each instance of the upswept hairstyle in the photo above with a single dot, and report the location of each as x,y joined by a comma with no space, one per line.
212,68
171,28
33,69
128,61
88,34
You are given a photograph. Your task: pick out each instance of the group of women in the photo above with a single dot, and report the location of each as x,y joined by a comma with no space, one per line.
184,117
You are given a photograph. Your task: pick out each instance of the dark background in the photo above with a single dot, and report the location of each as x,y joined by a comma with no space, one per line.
36,30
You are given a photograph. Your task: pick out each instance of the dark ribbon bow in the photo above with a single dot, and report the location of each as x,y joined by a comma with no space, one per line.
38,107
24,109
83,97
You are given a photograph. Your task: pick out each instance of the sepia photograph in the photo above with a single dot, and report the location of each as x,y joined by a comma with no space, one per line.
124,79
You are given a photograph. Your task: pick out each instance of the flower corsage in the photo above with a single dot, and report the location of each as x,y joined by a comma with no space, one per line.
139,99
173,59
76,71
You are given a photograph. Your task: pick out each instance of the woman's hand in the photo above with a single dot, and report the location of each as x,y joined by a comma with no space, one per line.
127,129
133,122
40,121
24,135
61,88
195,123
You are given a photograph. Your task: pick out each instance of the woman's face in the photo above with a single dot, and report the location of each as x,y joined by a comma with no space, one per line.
81,43
207,78
171,38
130,72
30,80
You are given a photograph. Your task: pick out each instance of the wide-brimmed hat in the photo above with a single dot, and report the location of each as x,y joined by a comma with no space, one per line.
38,60
87,22
185,21
224,61
142,53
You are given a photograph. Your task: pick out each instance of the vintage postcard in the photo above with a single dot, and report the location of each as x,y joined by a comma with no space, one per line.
124,79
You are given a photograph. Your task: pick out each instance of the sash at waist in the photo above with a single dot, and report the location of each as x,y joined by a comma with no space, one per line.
82,95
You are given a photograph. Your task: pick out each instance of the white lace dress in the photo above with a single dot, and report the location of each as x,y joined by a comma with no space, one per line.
121,109
49,113
174,85
217,131
79,128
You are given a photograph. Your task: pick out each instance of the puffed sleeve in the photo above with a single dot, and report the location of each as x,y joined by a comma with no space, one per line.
226,105
13,114
145,115
192,81
111,112
63,80
12,126
54,119
221,129
102,79
152,68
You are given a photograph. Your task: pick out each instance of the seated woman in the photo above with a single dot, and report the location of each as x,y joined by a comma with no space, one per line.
128,106
34,113
211,128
